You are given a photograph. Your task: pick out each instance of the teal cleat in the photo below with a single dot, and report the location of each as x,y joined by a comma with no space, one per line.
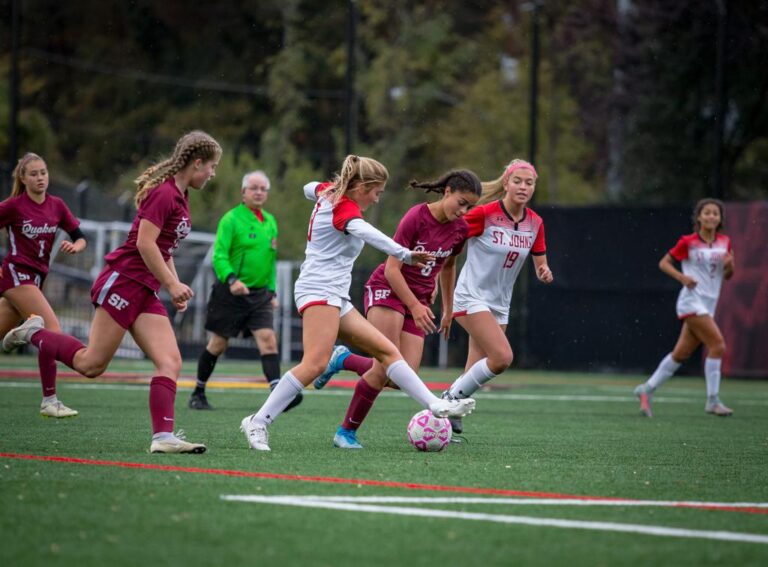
346,439
335,365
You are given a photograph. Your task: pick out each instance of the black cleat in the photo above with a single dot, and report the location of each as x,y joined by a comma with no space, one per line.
198,401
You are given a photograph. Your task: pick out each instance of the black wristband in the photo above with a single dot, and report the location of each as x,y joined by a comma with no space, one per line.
231,278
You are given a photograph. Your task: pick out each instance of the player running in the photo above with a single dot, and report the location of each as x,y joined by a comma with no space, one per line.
503,231
336,236
706,258
32,217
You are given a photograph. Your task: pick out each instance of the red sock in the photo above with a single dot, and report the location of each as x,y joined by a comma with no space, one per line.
162,395
357,363
361,404
47,365
57,346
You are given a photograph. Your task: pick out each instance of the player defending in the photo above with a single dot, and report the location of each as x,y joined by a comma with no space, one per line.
243,297
706,258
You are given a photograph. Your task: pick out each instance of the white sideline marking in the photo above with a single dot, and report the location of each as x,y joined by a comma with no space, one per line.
536,501
482,395
314,502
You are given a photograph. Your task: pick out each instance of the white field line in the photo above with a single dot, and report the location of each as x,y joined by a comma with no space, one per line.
536,501
347,394
309,502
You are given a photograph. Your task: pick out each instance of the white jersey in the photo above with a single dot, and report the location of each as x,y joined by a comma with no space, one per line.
336,236
496,250
702,261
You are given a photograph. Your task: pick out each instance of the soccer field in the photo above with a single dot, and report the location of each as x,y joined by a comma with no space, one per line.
556,469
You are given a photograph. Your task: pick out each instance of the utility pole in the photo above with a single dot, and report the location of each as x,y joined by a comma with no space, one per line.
718,184
13,118
534,93
350,96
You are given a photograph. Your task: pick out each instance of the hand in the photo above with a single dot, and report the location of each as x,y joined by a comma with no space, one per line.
423,317
238,288
180,306
274,303
69,247
728,262
445,325
419,258
180,292
544,274
688,281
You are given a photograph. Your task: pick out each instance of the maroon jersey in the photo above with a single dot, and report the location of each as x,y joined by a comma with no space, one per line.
168,209
32,229
419,230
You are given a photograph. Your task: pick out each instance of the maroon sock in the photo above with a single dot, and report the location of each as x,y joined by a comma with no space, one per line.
361,404
47,365
162,395
57,346
357,363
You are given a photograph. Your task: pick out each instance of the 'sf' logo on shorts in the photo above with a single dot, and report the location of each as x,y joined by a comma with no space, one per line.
117,302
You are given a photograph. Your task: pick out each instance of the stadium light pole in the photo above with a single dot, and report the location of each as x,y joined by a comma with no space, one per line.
535,8
718,185
13,118
350,96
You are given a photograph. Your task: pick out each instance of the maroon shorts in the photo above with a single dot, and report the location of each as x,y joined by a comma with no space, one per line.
123,298
379,296
15,275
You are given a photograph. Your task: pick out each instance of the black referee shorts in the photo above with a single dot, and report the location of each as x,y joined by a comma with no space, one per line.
228,315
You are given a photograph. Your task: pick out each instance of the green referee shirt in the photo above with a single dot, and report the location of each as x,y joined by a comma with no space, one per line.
246,247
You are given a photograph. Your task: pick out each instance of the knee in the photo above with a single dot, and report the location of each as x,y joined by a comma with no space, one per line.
93,370
717,350
499,362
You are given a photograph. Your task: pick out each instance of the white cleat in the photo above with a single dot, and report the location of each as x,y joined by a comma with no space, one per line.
718,408
176,444
452,408
56,409
20,335
255,433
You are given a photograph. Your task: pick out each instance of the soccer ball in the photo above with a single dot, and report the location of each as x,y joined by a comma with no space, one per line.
429,433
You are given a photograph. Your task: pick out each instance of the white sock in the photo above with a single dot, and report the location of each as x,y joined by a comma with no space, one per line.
278,400
667,367
163,436
472,380
712,375
50,399
404,376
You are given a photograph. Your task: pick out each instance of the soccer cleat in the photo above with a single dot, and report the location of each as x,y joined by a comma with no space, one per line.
20,335
177,443
643,392
716,407
255,433
456,424
452,408
335,365
198,401
56,409
346,439
294,402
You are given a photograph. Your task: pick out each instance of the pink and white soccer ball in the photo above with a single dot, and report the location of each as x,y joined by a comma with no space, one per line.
429,433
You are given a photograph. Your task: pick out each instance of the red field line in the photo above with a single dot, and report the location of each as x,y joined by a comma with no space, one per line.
355,481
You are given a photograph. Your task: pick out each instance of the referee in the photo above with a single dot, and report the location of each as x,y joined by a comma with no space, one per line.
243,298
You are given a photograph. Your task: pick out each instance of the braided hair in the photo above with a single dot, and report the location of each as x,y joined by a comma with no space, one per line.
462,180
194,145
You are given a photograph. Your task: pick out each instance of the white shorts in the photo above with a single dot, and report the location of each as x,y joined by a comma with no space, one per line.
460,309
690,304
309,299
